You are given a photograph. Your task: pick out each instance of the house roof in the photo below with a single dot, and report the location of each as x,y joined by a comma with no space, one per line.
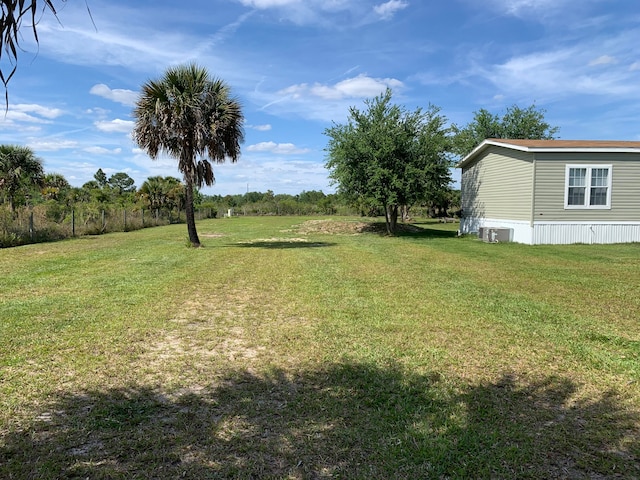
554,146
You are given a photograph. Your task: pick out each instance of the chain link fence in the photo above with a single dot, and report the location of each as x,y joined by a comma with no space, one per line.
45,223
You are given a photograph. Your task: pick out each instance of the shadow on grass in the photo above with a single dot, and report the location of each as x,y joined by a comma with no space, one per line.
415,230
277,244
426,232
345,420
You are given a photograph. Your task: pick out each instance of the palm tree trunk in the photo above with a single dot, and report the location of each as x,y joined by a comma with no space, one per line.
191,219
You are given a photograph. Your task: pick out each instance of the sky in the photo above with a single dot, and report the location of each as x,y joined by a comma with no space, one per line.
297,66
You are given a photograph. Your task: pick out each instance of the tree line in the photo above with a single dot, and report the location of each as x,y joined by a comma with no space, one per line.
24,184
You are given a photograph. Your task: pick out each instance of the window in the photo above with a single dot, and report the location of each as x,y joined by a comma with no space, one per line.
588,186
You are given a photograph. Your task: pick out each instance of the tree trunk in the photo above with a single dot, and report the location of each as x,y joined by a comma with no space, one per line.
391,218
189,210
405,213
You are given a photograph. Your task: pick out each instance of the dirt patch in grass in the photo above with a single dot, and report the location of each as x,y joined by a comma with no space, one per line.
336,227
275,240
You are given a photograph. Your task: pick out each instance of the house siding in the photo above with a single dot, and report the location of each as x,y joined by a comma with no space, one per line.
590,233
499,184
550,186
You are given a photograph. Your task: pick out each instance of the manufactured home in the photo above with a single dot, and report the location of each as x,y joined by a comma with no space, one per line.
552,191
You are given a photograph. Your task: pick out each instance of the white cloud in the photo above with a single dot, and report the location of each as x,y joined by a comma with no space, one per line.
102,151
51,145
277,148
327,13
603,60
264,4
262,174
260,128
13,117
387,10
117,125
119,95
634,66
46,112
521,8
324,102
562,73
28,113
101,112
358,87
10,125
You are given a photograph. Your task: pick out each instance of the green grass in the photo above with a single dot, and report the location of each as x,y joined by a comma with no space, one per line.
295,349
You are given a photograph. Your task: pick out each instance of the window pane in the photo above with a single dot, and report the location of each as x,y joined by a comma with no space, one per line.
598,196
599,177
577,177
576,196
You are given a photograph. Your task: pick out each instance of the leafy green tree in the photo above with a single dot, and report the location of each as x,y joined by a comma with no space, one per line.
516,123
188,114
312,196
326,205
121,183
92,191
101,178
389,156
20,172
91,185
253,197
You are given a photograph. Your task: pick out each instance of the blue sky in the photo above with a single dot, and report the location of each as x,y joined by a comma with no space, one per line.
298,65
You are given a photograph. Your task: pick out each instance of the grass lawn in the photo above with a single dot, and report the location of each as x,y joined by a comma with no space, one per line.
304,348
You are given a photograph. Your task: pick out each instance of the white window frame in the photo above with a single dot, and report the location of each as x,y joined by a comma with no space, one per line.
587,193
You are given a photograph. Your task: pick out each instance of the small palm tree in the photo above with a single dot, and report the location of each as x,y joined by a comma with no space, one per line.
20,171
161,192
188,114
54,186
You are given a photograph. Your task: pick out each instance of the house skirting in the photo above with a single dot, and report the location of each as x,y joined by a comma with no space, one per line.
558,233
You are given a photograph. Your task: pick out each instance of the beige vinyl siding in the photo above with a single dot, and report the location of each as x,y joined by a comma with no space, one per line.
550,186
499,184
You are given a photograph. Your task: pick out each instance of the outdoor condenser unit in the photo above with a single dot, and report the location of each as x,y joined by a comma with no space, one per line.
496,235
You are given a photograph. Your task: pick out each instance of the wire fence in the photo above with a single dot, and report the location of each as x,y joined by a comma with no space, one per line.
44,223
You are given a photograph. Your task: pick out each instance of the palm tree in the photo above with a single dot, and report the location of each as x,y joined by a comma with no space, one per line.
188,114
54,186
20,170
13,13
161,192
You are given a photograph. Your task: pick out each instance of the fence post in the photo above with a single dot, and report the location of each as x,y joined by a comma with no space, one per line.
73,222
142,216
31,232
124,216
104,223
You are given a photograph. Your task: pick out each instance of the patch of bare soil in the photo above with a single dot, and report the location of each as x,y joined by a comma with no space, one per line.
336,227
276,240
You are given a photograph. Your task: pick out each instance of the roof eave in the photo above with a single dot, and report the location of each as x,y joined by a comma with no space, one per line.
485,143
476,151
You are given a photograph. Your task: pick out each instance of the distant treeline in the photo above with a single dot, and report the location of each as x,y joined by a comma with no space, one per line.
45,207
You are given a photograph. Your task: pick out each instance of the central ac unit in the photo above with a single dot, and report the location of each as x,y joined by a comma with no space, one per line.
496,235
